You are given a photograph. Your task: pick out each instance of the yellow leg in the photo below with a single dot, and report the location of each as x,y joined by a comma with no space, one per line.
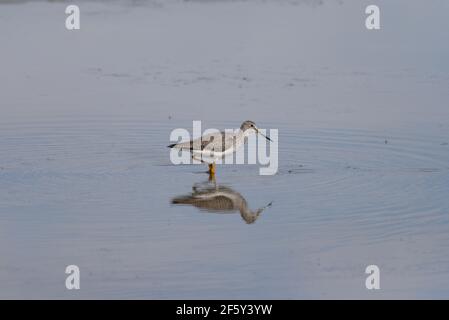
212,169
212,178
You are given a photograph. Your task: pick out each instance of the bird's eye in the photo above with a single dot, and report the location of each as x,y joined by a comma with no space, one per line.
252,125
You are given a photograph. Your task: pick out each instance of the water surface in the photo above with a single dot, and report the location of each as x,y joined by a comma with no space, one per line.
98,194
363,124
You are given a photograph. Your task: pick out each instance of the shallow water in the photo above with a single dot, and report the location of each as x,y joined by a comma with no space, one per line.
363,124
98,194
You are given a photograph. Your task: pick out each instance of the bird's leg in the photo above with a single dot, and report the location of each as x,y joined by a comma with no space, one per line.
212,169
212,179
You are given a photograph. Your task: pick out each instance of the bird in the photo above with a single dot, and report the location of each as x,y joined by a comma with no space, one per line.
210,147
219,199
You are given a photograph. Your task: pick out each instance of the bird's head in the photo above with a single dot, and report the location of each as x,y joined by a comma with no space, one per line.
249,127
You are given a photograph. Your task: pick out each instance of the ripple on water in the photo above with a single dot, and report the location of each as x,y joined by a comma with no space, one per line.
107,183
385,183
356,177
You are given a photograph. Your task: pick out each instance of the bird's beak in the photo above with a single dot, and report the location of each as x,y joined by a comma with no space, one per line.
257,130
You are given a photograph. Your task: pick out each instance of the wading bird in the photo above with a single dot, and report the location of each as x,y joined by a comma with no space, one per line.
210,147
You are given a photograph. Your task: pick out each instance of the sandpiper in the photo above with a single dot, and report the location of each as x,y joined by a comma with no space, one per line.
208,148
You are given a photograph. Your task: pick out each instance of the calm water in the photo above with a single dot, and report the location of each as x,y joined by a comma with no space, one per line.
98,193
363,124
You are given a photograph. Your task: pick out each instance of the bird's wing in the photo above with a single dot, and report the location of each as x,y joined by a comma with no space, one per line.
216,141
219,141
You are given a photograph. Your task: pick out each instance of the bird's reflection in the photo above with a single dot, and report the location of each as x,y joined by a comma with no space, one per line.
211,197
